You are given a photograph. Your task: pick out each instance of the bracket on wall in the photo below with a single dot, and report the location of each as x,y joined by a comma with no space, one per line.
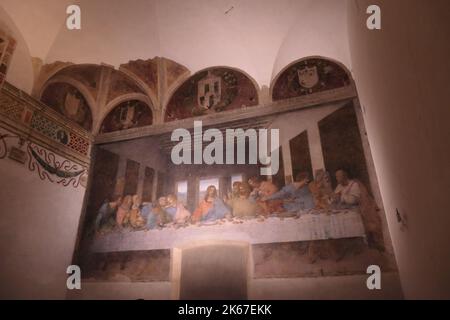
402,219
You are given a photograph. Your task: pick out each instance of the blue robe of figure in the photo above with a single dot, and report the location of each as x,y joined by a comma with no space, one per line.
146,208
148,213
301,198
104,213
218,211
170,213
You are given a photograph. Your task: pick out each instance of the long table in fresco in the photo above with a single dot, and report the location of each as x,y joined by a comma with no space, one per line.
308,227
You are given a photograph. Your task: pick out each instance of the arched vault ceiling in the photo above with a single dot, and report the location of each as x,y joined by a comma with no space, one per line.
260,37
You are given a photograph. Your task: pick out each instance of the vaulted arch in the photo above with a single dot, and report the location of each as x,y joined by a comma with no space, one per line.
211,90
127,112
309,75
69,98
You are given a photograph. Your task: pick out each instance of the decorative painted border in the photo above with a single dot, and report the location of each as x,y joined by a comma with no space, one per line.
6,55
32,120
47,164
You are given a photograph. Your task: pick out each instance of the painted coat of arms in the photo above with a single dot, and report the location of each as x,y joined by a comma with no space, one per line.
209,92
127,116
308,77
74,107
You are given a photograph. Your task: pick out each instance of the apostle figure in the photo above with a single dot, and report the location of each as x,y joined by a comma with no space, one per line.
296,196
269,206
242,207
106,212
156,215
321,190
267,188
170,208
211,208
351,193
261,191
347,192
135,218
255,184
123,211
178,213
235,190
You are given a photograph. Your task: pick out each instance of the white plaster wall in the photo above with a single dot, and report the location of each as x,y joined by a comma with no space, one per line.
39,21
122,291
320,29
38,228
258,36
402,75
326,288
196,33
112,32
201,34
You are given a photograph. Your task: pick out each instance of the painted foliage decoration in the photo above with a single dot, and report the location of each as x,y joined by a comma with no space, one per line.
51,167
55,132
7,47
68,101
127,115
210,91
309,76
48,165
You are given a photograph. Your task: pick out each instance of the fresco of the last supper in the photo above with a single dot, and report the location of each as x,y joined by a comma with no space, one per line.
316,215
224,150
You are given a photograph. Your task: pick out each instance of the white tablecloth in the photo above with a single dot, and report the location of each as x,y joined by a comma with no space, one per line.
309,227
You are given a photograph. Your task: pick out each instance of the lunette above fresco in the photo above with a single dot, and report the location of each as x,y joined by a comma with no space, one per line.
210,91
127,115
307,76
68,101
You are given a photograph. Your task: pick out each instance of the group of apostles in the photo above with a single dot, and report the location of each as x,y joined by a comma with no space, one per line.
255,198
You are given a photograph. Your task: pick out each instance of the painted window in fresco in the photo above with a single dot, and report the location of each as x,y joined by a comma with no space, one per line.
309,76
182,189
204,184
127,115
236,178
68,101
211,91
